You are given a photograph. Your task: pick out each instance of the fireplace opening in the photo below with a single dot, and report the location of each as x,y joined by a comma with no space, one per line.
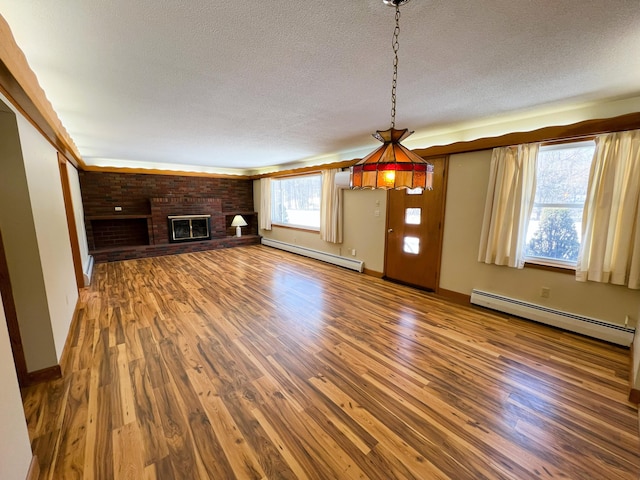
189,227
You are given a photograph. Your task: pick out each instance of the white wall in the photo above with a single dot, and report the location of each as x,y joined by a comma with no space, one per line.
363,231
15,450
461,271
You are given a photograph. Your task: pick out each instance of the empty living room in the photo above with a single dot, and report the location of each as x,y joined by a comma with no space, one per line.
218,261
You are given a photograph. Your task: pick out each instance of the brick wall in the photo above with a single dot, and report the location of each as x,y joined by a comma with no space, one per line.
118,233
102,192
171,194
162,207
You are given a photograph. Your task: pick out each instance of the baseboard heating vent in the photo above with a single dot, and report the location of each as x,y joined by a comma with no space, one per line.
88,271
353,264
591,327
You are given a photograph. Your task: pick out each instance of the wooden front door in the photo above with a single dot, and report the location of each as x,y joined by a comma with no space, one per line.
414,232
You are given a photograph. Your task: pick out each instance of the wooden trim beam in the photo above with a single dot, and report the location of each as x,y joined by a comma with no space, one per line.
151,171
630,121
20,85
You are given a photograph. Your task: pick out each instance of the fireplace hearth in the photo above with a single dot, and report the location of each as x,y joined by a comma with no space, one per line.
184,228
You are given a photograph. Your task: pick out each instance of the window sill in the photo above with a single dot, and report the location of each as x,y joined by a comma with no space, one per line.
295,227
551,268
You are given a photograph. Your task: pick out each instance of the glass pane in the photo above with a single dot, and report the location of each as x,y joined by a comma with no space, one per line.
411,245
562,174
181,229
412,216
296,201
554,233
199,228
414,191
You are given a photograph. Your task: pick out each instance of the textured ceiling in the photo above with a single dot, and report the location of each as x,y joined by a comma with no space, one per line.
195,84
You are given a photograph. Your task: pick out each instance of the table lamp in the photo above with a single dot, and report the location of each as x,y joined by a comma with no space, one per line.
238,222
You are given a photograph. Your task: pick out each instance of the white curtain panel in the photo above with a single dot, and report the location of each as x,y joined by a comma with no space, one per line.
510,196
265,203
610,247
331,208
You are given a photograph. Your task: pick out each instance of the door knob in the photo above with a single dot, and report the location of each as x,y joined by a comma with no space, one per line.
390,230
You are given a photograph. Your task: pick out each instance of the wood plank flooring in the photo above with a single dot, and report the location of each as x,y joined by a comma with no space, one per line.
252,363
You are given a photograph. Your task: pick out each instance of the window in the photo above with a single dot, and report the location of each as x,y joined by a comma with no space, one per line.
554,230
411,245
412,216
295,201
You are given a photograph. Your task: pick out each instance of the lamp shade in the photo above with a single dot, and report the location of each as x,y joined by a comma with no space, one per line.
238,221
392,165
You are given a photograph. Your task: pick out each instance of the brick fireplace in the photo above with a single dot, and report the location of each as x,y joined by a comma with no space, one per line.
126,215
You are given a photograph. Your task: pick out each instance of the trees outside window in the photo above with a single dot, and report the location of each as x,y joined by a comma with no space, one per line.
295,201
562,174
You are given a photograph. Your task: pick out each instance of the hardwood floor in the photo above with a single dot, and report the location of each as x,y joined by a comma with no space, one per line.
253,363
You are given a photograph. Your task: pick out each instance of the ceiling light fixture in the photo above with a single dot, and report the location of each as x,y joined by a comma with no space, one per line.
393,166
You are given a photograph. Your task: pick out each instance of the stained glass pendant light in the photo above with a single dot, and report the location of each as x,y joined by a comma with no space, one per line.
392,165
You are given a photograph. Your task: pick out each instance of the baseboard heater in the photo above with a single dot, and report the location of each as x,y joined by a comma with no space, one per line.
610,332
353,264
88,271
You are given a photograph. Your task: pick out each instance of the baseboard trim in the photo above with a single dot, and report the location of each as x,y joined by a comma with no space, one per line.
43,375
373,273
34,469
455,297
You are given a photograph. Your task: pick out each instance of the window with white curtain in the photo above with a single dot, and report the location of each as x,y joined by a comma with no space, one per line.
295,201
554,230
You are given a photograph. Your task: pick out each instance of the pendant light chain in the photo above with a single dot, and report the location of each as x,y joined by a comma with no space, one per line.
396,46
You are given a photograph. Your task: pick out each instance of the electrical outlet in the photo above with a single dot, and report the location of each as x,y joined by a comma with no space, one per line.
545,292
353,252
376,212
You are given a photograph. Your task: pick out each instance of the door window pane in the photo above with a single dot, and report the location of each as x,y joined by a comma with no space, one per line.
412,216
411,245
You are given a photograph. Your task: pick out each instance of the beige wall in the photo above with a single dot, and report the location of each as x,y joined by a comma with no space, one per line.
461,272
15,450
21,247
363,230
50,220
34,228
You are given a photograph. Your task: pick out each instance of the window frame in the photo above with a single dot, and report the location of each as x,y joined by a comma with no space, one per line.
275,222
547,263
